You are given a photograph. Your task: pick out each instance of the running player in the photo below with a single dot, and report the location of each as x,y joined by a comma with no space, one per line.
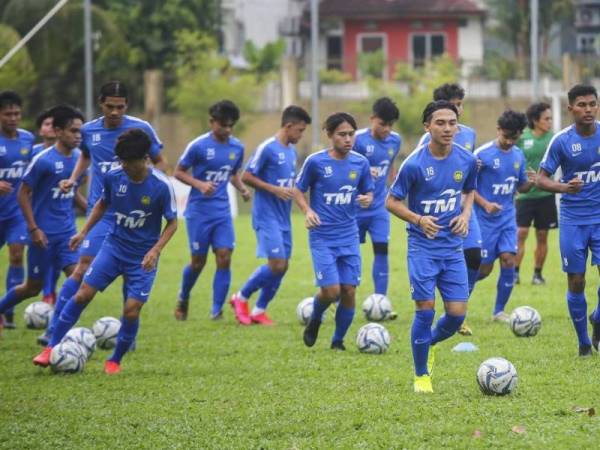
338,178
215,159
433,178
271,172
139,197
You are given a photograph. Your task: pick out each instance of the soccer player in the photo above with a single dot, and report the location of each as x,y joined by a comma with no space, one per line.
15,154
45,127
48,211
337,178
576,151
465,137
433,178
98,138
271,172
380,145
503,171
215,159
139,197
535,206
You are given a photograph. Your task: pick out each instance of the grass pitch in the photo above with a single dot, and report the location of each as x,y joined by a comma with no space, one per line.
204,384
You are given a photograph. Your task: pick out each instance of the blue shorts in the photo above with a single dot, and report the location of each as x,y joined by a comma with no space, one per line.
56,255
575,241
13,231
497,240
273,242
473,238
378,226
107,266
92,243
215,233
336,265
448,274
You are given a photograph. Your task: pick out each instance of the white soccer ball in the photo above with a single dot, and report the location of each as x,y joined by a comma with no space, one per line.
373,338
497,376
377,307
525,321
304,311
82,337
67,357
37,315
106,330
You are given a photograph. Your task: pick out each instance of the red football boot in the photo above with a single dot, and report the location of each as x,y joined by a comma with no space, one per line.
43,359
240,309
261,319
111,368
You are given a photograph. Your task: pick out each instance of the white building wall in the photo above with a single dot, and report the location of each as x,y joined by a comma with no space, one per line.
470,44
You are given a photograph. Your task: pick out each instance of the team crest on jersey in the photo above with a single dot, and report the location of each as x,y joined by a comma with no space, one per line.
353,174
232,155
599,150
468,146
145,200
24,151
458,176
390,152
517,166
2,150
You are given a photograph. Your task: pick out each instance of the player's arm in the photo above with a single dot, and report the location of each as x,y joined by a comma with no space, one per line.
489,207
284,193
159,162
236,180
182,174
545,182
460,224
5,187
83,162
151,258
97,212
312,219
80,200
38,237
427,223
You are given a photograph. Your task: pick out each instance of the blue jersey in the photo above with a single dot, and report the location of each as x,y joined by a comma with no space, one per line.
214,161
37,148
273,163
465,137
138,211
52,208
578,157
15,155
434,187
501,172
99,142
381,155
334,185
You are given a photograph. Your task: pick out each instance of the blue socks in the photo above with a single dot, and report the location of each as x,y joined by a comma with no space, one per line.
187,282
8,302
343,320
506,281
126,336
68,290
257,280
68,317
445,327
596,313
472,276
578,311
14,276
319,308
269,290
380,273
221,283
420,339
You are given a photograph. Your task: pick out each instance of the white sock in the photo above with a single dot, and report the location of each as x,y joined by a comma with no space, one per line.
241,297
256,311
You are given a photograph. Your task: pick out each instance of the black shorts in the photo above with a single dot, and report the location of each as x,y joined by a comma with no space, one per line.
540,211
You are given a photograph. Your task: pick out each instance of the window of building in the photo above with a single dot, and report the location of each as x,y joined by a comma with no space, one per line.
426,46
372,54
334,52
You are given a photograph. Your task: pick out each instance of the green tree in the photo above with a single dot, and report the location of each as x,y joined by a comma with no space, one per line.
19,73
204,77
264,60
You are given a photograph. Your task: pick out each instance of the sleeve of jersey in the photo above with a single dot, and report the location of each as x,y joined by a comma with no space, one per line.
83,146
403,182
366,180
106,189
33,173
157,145
169,202
239,161
306,176
551,160
471,179
188,159
523,170
257,162
358,147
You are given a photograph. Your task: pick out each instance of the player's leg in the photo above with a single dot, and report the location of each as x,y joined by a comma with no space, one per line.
14,277
525,216
504,286
349,269
546,219
379,229
472,251
522,235
595,316
221,281
541,251
198,238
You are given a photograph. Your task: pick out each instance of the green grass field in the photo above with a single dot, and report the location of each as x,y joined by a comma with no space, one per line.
204,384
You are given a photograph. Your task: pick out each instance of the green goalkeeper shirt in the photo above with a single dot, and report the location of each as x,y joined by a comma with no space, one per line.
534,149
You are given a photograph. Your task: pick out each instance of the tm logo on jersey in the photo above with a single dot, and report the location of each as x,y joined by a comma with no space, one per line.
286,182
505,188
57,193
589,176
381,170
14,172
441,205
219,176
135,219
343,197
108,165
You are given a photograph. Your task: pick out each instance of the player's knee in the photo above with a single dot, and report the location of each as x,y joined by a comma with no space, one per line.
473,258
456,308
32,288
197,263
484,271
576,282
330,293
380,248
223,259
507,260
278,266
132,310
15,255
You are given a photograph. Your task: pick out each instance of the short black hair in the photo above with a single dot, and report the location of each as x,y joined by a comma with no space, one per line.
386,109
580,90
113,89
10,98
41,117
63,115
224,111
436,106
133,144
512,121
336,119
294,114
448,91
534,112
